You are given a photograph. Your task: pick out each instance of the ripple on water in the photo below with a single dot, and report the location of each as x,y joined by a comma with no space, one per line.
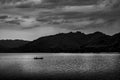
58,63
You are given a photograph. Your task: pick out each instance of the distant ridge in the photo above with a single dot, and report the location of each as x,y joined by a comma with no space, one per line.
68,43
12,43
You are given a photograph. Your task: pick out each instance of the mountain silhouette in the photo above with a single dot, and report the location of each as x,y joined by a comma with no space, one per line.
98,39
12,43
76,42
56,43
115,44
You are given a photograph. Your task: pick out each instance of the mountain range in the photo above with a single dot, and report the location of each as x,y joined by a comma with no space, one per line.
12,43
65,42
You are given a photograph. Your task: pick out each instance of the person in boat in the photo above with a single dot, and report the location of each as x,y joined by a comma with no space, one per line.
38,58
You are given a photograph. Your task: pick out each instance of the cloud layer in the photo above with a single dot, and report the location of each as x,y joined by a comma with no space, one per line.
55,16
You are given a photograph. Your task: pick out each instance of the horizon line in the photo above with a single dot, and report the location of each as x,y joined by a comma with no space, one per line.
61,33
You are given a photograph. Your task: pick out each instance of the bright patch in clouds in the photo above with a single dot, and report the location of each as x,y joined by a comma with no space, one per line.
30,22
36,1
78,8
30,34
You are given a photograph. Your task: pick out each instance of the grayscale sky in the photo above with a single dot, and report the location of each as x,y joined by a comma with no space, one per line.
31,19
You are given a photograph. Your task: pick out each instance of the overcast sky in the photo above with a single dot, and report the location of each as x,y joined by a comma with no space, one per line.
59,16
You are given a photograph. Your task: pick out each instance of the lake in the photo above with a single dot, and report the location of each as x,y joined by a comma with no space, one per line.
60,66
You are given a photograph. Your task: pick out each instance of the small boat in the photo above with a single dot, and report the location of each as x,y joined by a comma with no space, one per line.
38,58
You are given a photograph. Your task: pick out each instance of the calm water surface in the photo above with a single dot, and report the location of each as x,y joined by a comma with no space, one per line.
97,66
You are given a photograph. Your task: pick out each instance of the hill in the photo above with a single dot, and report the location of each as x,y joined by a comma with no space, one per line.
12,43
67,43
74,42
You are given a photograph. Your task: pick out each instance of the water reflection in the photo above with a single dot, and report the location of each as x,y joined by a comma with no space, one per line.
58,63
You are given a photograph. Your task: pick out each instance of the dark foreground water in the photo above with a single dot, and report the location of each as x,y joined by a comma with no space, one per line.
60,67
